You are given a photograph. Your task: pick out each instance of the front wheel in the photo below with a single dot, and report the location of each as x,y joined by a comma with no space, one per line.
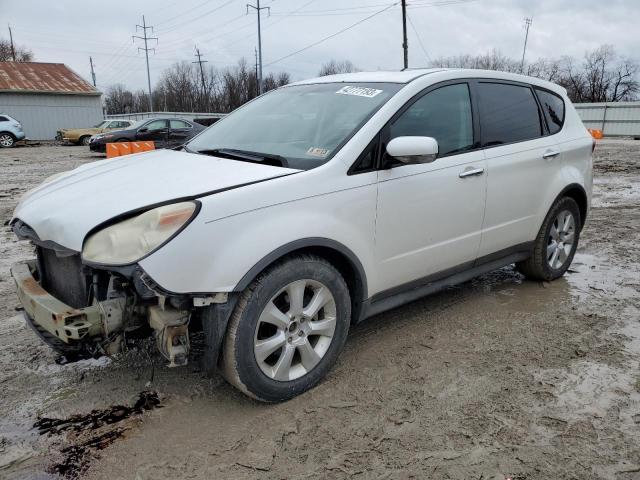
287,329
85,140
7,140
556,242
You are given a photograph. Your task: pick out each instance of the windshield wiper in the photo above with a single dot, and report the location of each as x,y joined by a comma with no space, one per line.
247,156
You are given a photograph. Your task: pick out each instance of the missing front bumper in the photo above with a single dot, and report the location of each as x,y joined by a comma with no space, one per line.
70,325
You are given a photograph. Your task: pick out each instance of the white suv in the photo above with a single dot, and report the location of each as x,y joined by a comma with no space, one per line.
309,209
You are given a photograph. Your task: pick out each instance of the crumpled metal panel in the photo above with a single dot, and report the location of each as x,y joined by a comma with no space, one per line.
34,77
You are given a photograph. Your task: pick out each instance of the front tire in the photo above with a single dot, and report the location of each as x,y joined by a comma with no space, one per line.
84,141
556,243
287,329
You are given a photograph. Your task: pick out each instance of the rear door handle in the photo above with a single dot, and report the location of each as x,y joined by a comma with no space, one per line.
469,172
550,154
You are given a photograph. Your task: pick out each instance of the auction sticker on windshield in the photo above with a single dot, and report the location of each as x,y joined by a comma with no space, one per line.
359,91
318,152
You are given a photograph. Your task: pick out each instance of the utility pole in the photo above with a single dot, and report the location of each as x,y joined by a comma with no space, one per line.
255,50
258,9
527,24
204,86
93,73
13,50
405,43
146,52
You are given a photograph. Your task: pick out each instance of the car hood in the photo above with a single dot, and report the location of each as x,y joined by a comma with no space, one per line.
91,131
65,209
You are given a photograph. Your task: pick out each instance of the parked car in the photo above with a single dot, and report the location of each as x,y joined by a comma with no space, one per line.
81,136
165,132
10,131
303,212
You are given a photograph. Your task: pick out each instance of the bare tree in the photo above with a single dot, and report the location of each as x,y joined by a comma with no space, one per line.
334,66
6,55
180,89
603,76
493,60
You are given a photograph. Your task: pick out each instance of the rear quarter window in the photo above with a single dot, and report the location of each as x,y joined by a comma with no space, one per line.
508,114
3,119
553,109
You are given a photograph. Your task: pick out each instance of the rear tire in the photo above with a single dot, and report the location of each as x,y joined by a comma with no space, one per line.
287,329
85,140
7,140
556,242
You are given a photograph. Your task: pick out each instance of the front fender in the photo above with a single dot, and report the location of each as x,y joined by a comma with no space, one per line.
221,255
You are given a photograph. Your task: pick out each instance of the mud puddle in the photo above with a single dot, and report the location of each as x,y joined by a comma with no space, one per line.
88,433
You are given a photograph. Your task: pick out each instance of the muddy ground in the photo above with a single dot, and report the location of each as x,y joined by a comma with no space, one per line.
498,377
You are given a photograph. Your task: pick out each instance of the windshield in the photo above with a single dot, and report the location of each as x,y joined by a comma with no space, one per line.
101,124
305,125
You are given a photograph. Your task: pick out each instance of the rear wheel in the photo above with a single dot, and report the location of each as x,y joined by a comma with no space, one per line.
556,242
7,140
287,329
85,140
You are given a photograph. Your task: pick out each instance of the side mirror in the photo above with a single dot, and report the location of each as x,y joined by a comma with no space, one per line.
143,129
413,150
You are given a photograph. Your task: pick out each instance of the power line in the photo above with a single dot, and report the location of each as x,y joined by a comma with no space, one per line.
189,10
170,28
415,30
146,53
333,35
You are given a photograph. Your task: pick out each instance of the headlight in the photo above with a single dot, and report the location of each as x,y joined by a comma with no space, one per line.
132,239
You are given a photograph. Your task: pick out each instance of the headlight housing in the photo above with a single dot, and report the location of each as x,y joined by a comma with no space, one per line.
132,239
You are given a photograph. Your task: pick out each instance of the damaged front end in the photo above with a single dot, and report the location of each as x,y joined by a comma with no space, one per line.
90,310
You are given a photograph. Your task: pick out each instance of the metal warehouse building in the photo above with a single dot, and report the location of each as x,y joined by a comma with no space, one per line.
45,97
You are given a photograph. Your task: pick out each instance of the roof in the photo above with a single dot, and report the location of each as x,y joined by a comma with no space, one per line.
439,74
404,76
34,77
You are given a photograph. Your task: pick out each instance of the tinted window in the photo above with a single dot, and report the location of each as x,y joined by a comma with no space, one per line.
508,113
179,124
444,114
3,119
553,108
157,125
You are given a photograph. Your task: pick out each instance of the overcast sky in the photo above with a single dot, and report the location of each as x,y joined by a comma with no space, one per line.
65,31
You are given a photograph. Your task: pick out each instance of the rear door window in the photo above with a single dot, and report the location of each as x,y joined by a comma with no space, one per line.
508,114
553,109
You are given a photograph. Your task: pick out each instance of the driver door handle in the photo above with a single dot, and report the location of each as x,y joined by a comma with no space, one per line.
471,171
550,154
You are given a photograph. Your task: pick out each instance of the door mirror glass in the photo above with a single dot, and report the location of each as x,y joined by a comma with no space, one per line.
143,129
413,150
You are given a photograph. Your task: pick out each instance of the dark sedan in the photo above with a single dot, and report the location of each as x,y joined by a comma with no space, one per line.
165,132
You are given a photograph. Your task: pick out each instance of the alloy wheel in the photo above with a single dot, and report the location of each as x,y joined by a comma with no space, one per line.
295,330
6,140
561,239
